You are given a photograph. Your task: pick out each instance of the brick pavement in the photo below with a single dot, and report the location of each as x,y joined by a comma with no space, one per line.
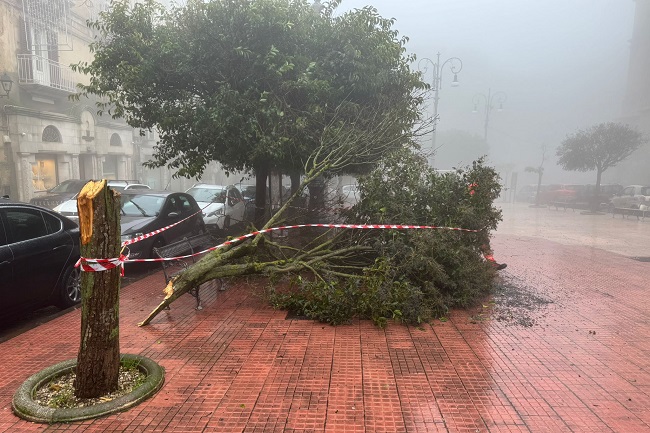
578,363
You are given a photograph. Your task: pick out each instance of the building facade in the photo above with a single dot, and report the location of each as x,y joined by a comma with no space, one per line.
636,104
46,136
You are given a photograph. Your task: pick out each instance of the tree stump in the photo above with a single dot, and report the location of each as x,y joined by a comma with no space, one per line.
98,361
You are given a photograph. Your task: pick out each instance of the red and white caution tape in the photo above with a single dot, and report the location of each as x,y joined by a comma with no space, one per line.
155,232
86,264
99,265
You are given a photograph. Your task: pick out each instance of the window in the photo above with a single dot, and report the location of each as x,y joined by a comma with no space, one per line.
116,140
109,167
25,224
51,135
3,239
234,197
52,223
181,204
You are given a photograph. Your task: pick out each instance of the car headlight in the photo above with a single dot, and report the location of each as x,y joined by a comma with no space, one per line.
216,212
125,238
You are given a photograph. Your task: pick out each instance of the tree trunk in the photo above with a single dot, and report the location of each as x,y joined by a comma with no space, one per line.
595,202
540,173
298,205
98,360
261,174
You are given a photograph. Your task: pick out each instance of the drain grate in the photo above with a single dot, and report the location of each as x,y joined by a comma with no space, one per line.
641,259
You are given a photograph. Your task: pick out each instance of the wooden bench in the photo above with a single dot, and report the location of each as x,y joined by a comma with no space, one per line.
628,211
563,204
185,246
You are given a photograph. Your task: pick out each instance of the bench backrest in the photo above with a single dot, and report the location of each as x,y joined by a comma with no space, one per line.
181,248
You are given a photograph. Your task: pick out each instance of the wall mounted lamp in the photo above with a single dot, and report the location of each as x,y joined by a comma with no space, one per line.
7,84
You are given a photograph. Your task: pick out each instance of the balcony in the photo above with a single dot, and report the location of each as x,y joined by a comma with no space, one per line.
44,75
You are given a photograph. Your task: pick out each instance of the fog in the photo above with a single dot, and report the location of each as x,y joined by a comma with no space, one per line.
562,63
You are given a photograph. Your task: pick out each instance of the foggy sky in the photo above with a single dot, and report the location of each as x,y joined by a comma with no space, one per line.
562,63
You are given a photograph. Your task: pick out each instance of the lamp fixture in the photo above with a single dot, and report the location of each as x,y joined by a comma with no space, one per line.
7,84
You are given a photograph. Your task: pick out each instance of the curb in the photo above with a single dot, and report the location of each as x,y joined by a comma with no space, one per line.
26,408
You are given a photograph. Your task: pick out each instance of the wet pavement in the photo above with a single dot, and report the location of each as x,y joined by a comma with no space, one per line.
562,346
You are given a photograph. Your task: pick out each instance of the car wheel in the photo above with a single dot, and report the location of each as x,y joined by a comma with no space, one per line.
226,222
70,291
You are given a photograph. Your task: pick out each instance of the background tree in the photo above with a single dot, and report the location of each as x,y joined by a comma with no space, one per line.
250,84
539,170
599,147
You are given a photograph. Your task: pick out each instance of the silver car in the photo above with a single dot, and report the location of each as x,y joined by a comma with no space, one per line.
633,197
223,206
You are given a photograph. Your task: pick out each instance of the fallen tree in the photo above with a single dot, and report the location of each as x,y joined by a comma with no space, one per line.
342,147
436,269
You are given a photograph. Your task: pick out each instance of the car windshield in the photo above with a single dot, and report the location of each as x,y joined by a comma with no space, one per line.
645,190
67,186
141,205
211,195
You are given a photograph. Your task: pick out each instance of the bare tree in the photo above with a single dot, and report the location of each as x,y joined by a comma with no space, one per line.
540,172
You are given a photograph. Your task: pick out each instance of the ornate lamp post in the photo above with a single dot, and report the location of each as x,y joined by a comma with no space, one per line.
455,66
490,101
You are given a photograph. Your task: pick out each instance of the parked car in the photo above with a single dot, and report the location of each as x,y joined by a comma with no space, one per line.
124,185
632,196
147,211
350,195
222,206
547,193
568,193
38,251
60,193
69,207
607,192
527,193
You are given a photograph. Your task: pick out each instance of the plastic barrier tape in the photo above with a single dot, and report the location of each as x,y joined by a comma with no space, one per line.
105,264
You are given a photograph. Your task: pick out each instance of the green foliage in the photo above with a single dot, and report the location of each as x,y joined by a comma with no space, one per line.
412,275
251,84
599,147
380,296
404,190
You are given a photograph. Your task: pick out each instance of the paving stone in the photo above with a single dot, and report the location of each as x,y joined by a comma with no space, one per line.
574,359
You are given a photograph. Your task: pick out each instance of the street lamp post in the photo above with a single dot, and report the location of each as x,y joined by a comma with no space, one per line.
490,101
455,66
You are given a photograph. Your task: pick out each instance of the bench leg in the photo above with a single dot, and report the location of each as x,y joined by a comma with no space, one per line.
195,292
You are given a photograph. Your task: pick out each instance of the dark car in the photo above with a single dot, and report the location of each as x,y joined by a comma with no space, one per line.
38,251
145,211
60,193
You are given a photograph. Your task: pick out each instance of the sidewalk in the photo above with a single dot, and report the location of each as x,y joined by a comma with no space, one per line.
564,346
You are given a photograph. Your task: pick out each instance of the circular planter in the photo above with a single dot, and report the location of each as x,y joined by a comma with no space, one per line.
25,407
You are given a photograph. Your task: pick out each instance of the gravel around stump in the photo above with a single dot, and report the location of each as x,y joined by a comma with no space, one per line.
25,407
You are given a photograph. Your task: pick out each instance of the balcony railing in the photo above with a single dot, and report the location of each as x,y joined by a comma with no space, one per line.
33,69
